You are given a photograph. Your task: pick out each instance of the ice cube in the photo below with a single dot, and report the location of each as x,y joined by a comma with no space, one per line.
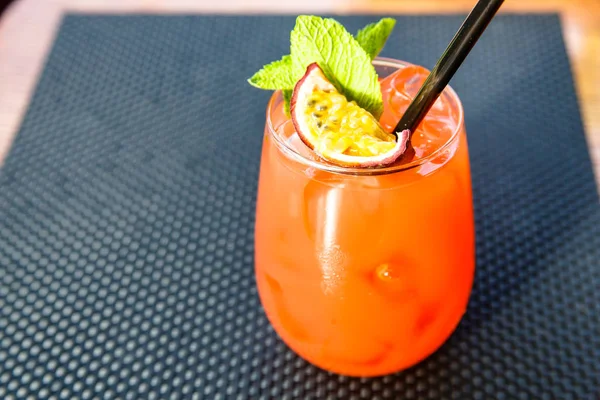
295,143
409,80
442,109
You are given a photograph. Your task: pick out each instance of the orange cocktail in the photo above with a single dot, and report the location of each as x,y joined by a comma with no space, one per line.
366,272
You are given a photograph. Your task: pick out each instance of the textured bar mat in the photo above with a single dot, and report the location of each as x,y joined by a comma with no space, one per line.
127,211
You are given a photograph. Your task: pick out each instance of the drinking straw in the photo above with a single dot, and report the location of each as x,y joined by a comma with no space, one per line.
448,63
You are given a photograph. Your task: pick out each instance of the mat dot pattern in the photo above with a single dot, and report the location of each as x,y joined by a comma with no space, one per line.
127,210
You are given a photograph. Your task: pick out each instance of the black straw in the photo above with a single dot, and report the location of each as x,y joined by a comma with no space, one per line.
453,56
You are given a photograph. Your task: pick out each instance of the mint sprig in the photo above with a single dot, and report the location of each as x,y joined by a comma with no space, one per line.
344,59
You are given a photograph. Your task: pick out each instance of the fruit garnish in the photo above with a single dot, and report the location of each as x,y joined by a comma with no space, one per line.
334,91
346,60
339,130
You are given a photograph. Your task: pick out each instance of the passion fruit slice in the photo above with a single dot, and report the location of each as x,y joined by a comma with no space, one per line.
338,130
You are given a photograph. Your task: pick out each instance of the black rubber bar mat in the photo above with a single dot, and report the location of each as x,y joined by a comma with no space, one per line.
127,212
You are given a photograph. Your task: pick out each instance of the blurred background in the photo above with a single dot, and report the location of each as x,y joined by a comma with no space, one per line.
27,29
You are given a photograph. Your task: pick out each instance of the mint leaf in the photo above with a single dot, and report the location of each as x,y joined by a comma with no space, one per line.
274,76
340,56
372,37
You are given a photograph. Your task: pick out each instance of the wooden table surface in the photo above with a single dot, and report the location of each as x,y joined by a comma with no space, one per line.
28,27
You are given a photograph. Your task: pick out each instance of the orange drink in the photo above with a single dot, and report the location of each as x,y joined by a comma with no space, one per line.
361,271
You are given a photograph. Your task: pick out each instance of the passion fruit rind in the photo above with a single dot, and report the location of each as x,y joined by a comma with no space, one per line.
340,131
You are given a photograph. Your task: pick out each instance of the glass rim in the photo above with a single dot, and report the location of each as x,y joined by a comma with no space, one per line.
332,168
